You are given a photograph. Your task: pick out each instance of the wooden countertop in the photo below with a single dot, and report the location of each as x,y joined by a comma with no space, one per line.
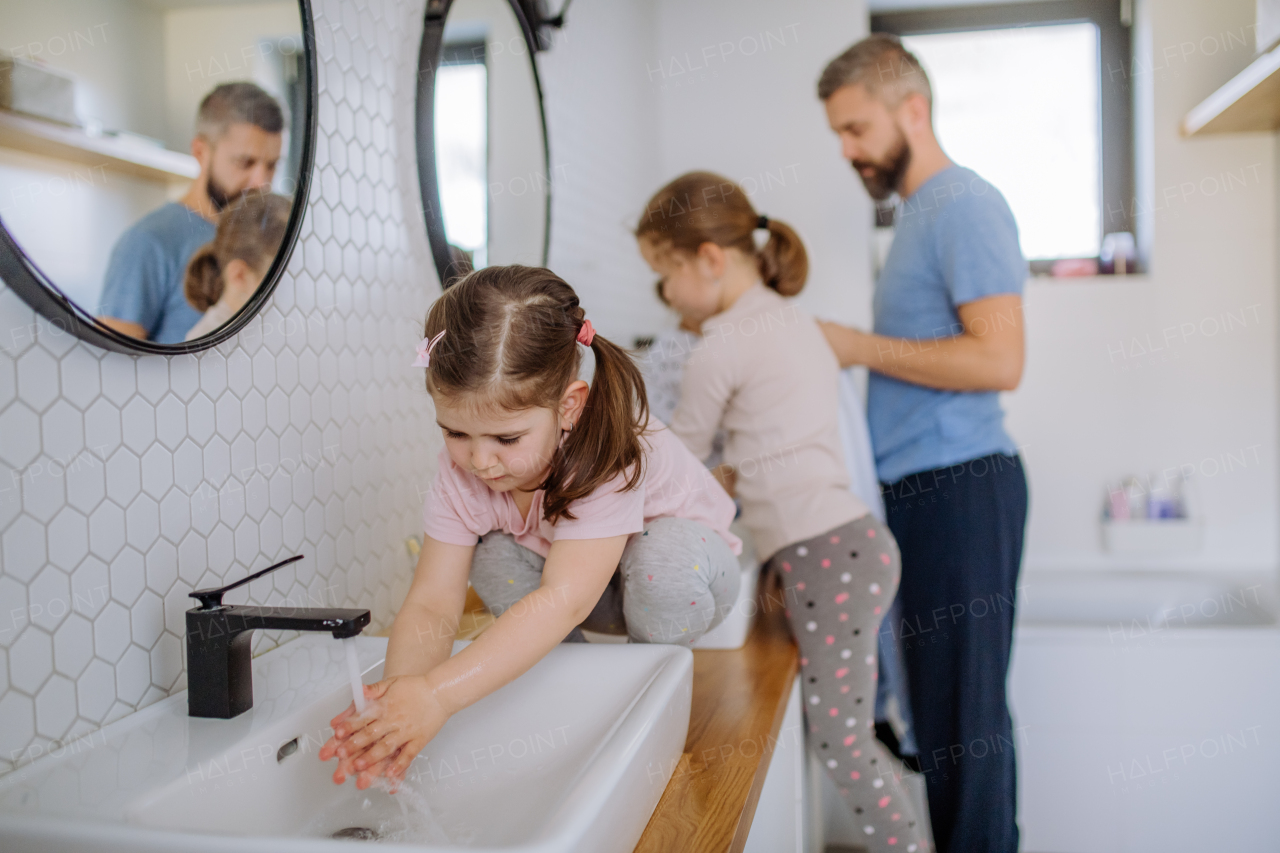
739,699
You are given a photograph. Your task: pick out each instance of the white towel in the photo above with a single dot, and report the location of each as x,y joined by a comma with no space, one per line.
856,441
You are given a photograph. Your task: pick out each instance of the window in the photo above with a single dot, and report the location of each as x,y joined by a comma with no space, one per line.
1022,95
461,122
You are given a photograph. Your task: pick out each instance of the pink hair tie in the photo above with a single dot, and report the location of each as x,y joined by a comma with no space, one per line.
425,346
586,334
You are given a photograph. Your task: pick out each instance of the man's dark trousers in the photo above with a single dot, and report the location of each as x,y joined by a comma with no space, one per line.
960,531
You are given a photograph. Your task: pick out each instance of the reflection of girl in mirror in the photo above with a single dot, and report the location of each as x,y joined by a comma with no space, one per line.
224,273
558,498
764,373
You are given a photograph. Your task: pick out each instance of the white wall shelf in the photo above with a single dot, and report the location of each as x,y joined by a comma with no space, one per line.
36,136
1248,102
1153,536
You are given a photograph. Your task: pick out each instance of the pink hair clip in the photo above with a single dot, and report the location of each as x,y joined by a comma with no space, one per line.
425,346
586,334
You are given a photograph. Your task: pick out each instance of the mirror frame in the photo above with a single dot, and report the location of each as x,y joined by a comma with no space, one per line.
429,56
21,274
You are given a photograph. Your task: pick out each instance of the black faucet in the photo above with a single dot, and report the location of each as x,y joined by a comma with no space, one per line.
219,669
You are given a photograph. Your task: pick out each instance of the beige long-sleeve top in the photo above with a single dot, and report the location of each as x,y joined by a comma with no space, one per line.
764,372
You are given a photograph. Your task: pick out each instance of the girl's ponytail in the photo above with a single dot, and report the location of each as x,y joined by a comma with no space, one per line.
783,262
606,439
203,284
703,207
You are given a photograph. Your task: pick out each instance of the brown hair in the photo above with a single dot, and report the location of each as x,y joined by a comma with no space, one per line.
511,339
251,229
880,64
237,103
703,207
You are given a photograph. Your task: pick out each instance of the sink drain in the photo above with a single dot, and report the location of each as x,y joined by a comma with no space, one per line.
357,833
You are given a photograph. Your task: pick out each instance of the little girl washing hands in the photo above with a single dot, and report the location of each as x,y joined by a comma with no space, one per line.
556,496
765,374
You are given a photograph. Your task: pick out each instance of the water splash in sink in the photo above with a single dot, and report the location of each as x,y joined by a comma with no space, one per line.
420,825
377,814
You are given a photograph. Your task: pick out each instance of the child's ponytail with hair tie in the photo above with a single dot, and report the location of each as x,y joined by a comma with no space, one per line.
616,414
783,262
726,218
587,367
202,284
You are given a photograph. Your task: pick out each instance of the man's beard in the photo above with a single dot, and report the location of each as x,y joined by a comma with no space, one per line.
218,194
887,175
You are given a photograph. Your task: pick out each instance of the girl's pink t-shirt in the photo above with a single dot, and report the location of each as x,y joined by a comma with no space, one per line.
460,508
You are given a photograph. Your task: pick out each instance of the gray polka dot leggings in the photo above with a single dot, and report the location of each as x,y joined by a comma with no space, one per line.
838,587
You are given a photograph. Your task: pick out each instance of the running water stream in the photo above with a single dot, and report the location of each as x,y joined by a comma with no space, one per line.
353,672
419,823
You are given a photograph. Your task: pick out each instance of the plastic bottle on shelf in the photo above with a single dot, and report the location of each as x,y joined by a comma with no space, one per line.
1116,505
1185,499
1160,499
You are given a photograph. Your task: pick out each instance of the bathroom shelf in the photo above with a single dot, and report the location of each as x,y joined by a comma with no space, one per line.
37,136
1153,536
739,695
1249,101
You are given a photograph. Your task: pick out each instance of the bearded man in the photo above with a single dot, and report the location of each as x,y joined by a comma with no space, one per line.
948,337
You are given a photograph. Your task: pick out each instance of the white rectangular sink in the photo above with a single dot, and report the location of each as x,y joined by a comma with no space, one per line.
572,756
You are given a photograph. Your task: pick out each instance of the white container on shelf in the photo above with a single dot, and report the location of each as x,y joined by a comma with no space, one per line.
1152,536
732,632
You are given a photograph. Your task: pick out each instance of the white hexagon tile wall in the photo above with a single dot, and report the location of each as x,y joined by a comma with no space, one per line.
125,482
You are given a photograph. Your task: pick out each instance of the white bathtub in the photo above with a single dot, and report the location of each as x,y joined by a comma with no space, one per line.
1156,601
1147,713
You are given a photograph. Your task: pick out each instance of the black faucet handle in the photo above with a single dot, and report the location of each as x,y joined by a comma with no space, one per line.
212,598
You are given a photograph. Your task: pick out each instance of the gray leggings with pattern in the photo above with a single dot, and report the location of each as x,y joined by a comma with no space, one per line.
676,580
839,586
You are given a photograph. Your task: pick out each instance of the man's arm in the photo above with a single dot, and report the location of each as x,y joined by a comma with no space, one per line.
987,356
132,299
124,327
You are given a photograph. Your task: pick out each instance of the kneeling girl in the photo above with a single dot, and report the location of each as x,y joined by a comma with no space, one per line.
556,496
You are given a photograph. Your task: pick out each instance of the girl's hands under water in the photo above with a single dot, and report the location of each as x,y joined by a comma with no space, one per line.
402,715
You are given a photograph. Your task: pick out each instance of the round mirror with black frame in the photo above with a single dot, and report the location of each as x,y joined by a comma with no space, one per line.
155,157
483,160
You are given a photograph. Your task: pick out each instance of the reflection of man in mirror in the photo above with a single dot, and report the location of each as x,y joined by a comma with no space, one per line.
237,144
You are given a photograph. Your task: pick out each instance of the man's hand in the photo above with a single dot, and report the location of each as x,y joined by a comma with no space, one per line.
848,344
727,478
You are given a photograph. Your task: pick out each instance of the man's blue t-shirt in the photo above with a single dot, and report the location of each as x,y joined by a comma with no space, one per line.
955,242
144,277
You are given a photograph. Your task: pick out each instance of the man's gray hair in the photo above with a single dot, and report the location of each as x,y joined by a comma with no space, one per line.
881,65
237,103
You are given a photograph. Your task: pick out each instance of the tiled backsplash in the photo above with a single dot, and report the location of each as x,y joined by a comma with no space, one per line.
125,482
